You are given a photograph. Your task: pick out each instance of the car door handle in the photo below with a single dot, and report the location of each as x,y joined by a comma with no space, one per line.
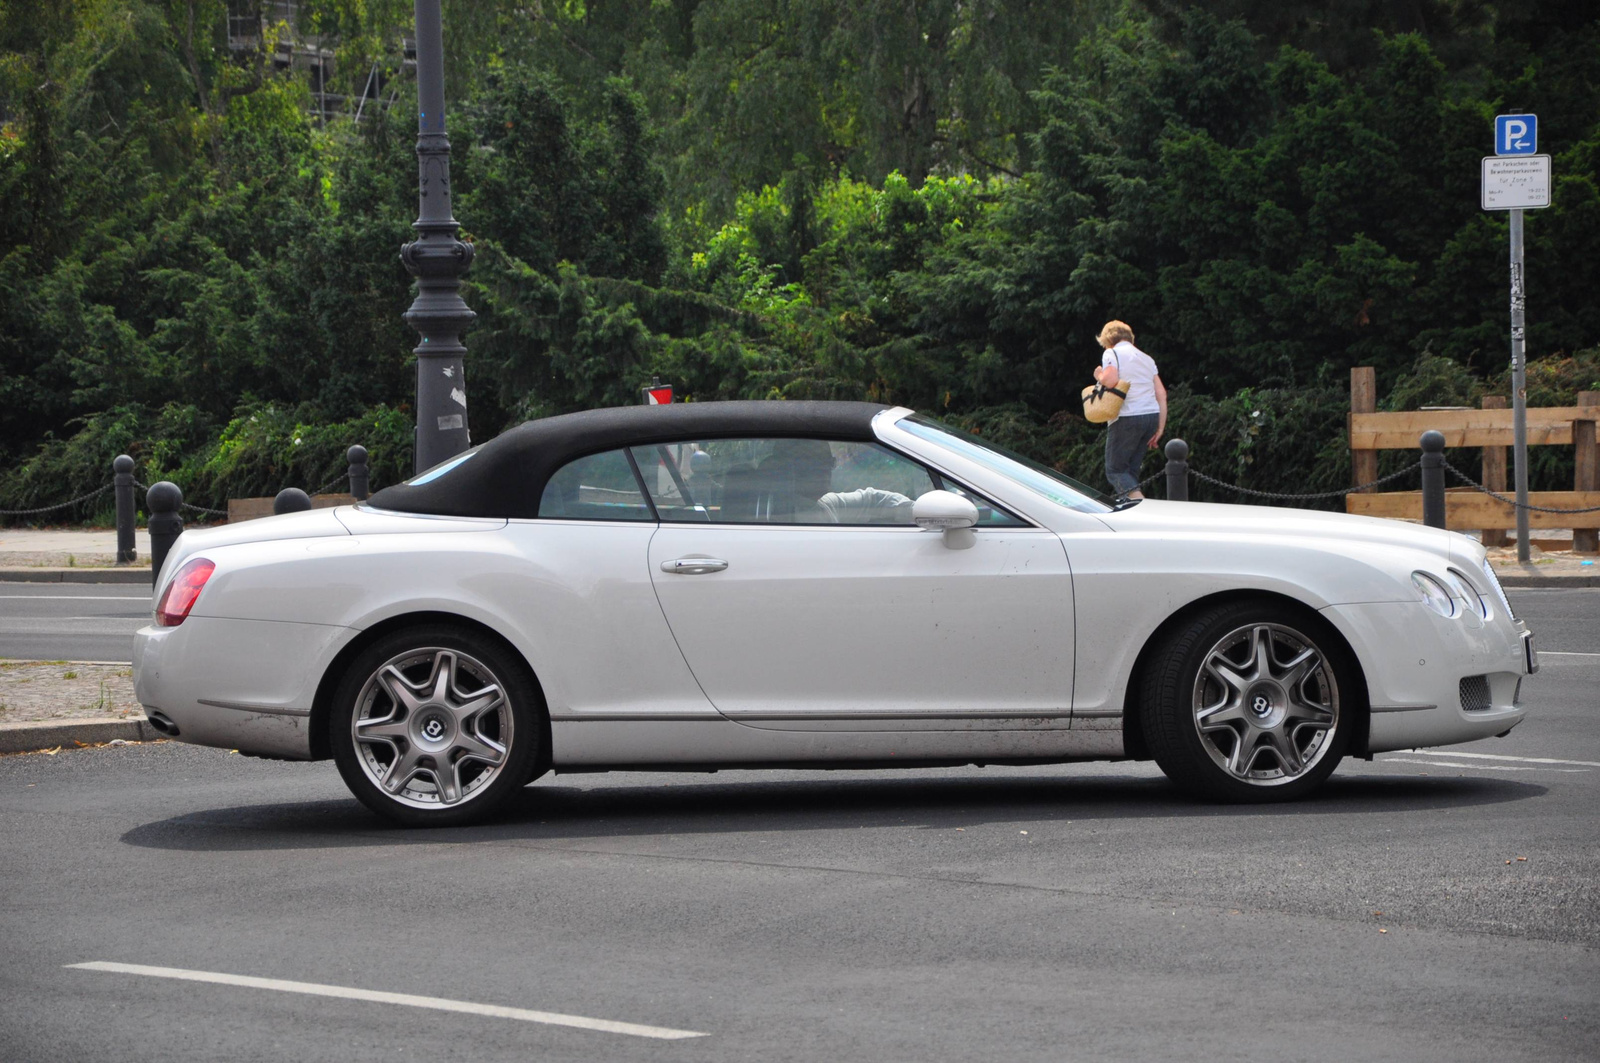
693,566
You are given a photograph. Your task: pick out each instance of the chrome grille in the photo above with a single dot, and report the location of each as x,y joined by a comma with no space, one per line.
1475,693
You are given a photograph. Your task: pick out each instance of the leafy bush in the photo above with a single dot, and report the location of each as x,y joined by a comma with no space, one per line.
260,451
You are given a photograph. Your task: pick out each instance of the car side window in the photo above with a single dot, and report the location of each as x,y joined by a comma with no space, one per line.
782,481
597,487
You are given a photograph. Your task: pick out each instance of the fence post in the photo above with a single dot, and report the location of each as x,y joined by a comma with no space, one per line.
359,473
164,523
290,500
1177,470
1494,473
1433,478
1363,399
122,477
1587,477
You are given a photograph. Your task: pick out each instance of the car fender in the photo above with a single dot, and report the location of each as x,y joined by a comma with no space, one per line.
1126,591
362,581
358,582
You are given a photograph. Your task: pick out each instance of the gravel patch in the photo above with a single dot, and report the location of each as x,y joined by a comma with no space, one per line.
32,691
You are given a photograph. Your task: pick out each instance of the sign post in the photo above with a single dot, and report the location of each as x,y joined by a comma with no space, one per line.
1516,178
1519,384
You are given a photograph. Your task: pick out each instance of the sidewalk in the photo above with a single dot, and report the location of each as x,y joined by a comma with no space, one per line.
29,555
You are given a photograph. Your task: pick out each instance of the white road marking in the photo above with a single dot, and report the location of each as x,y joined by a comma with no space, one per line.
1478,767
346,993
1566,653
1498,756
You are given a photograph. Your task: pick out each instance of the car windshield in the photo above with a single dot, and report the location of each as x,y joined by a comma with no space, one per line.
1041,479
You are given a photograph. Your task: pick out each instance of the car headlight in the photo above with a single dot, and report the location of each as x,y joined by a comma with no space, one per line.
1435,595
1470,593
1494,582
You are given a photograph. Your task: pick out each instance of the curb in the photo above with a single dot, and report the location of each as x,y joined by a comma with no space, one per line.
47,734
1511,581
75,575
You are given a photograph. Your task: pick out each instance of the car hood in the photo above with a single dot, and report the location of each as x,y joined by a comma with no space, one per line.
1154,516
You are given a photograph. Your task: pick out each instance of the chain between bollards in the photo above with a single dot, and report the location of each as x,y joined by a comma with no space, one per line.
1177,472
1497,496
97,492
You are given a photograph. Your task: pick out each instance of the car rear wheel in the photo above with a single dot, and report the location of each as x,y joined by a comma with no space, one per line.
1249,702
436,726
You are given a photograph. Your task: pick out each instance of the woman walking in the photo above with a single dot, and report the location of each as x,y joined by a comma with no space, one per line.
1144,412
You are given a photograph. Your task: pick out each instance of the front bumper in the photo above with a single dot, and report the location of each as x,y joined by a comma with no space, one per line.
1415,663
237,684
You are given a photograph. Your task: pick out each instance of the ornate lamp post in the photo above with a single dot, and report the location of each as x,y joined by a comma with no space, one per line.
437,258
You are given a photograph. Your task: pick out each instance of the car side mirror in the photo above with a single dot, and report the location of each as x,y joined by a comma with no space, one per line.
948,512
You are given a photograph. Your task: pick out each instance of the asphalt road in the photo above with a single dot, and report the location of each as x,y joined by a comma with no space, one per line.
71,621
1071,913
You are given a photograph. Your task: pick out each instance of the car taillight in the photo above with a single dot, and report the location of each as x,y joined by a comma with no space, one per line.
179,597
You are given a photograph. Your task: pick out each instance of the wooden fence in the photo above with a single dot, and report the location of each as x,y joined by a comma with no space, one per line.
250,508
1466,508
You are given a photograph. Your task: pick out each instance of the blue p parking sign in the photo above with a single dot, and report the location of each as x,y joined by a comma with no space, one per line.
1516,134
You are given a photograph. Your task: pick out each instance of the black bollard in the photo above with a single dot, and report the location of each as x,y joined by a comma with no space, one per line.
1433,478
1177,470
164,524
290,500
359,473
122,477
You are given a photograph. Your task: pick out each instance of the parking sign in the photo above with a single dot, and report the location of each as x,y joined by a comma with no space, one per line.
1516,134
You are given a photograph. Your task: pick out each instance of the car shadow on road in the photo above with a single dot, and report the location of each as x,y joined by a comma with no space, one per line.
552,811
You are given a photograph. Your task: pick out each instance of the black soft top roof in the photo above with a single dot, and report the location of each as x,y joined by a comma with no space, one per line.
507,475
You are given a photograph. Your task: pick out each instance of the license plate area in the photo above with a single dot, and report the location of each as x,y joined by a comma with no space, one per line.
1529,654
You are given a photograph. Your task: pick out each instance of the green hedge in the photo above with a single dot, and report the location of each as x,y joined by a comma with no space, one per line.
260,451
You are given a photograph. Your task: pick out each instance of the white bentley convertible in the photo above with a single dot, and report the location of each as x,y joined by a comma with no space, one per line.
750,584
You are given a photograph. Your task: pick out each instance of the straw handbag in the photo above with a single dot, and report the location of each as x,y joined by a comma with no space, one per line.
1101,403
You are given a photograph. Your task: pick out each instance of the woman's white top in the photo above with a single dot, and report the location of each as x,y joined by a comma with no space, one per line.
1136,373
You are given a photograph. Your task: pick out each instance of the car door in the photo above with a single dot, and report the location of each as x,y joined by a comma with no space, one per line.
582,592
799,612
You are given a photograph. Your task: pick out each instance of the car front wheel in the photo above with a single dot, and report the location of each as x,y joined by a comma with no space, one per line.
1249,702
435,727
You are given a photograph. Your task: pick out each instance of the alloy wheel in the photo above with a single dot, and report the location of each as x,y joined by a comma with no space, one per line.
432,727
1266,704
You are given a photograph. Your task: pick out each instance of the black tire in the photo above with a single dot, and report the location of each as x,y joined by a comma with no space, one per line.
437,705
1250,728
